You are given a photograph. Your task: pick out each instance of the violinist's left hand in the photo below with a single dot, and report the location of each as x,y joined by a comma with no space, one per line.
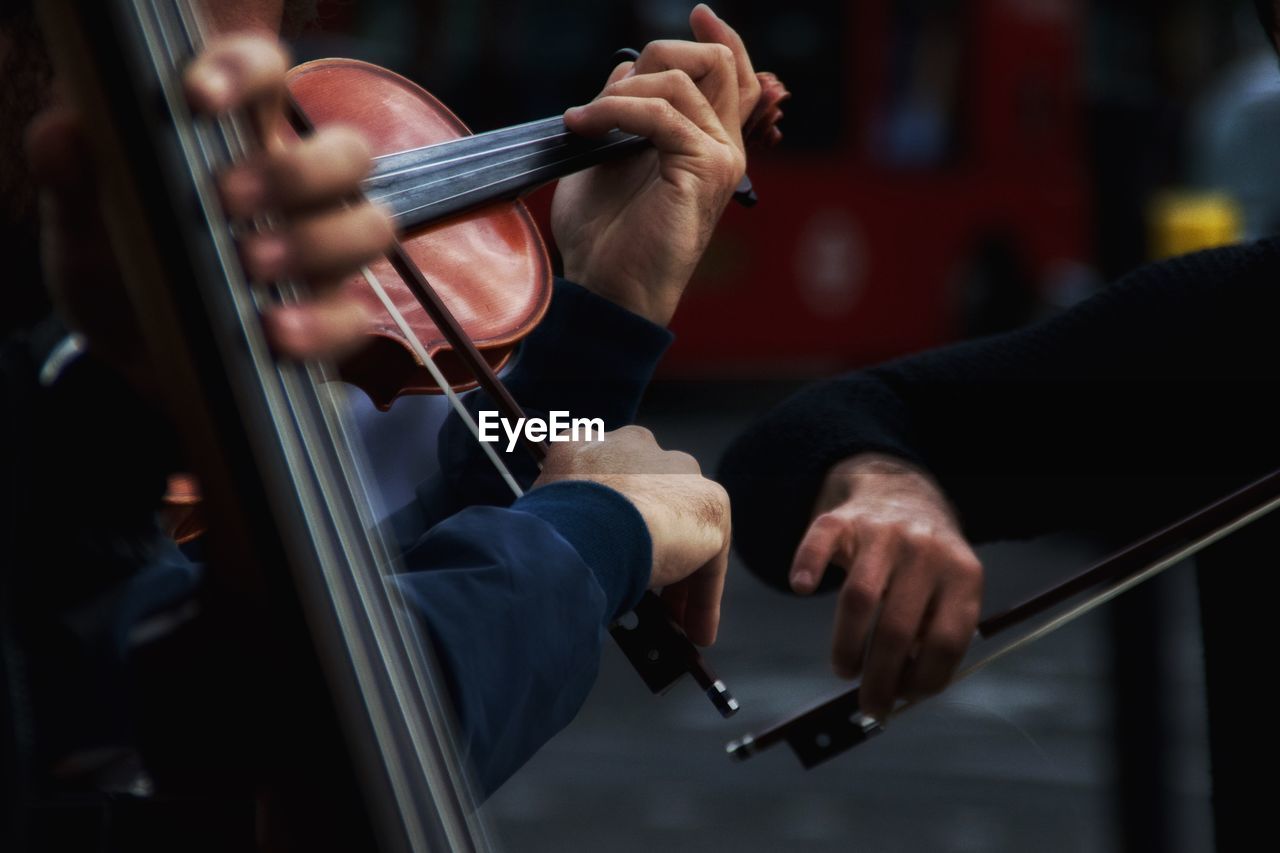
633,231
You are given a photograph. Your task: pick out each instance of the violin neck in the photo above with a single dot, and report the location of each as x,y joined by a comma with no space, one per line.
424,185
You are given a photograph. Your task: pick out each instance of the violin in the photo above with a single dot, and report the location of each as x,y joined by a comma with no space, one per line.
454,197
470,277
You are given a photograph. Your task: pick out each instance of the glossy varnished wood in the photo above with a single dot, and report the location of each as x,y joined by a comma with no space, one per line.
490,266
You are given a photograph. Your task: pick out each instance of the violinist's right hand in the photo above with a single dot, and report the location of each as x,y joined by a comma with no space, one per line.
912,587
303,184
687,516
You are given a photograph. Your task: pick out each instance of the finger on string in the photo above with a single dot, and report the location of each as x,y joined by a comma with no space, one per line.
652,118
319,170
329,325
245,71
321,248
677,89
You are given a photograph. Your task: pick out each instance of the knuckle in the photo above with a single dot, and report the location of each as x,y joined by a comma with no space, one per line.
681,80
688,461
715,500
969,564
916,532
607,104
874,523
286,168
637,431
828,521
352,144
917,537
720,164
965,567
659,50
735,166
251,50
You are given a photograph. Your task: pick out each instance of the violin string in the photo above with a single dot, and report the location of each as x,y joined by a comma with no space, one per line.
473,147
458,168
447,163
518,132
529,177
545,136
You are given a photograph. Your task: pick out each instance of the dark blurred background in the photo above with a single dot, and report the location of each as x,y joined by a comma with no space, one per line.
949,169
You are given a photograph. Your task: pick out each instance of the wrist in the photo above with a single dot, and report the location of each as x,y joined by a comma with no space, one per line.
881,474
652,301
874,464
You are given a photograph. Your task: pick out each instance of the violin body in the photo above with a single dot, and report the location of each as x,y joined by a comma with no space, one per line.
489,266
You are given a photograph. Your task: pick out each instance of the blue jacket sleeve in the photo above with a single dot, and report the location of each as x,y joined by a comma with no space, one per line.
516,602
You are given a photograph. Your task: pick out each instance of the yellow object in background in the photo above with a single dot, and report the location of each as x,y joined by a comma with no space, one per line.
1184,222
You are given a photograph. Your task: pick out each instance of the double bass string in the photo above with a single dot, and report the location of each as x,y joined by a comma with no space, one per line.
411,684
340,435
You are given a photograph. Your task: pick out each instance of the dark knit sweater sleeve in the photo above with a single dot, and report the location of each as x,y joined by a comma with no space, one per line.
1118,414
